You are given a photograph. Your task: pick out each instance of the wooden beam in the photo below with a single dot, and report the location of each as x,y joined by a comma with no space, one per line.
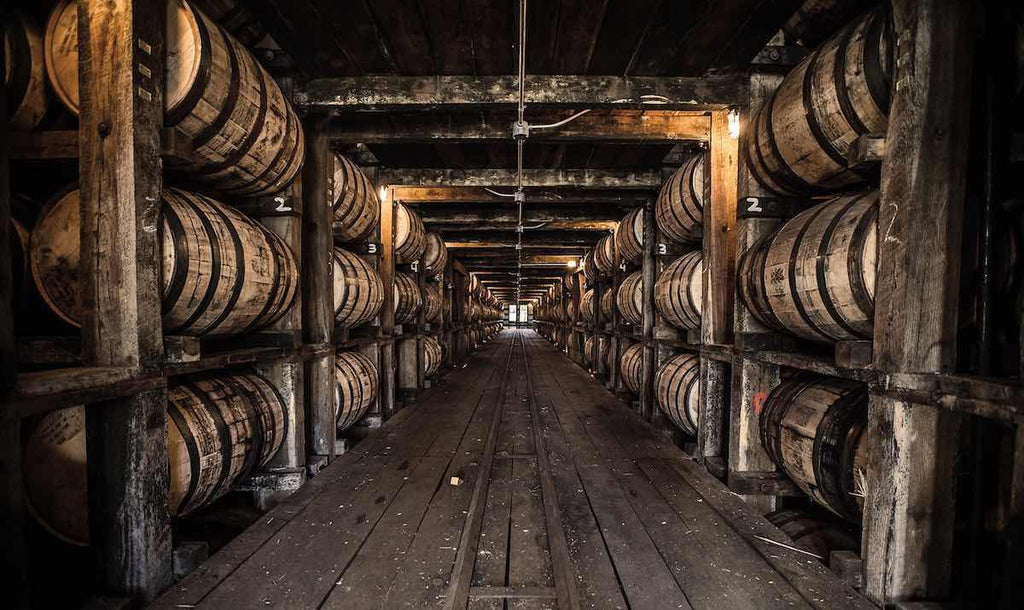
719,256
648,126
375,93
482,225
605,216
12,503
318,288
908,520
752,380
538,237
506,178
648,273
474,194
387,311
121,59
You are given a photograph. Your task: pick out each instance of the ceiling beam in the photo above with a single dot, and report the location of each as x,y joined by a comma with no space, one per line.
467,194
506,178
383,92
483,215
492,239
454,228
625,126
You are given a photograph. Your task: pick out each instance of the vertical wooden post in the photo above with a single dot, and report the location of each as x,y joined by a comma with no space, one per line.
446,318
648,276
421,325
615,382
908,520
318,286
12,504
752,380
719,252
121,57
387,312
287,374
1013,563
8,365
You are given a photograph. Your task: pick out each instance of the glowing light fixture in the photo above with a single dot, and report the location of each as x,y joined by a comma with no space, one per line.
734,124
571,264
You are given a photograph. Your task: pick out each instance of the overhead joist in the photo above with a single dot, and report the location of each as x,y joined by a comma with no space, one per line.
625,126
488,239
596,216
446,228
506,178
389,93
448,194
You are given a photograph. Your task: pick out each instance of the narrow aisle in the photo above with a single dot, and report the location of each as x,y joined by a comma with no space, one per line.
518,482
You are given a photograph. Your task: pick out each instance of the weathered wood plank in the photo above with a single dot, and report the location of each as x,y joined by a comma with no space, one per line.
908,523
506,178
719,255
318,287
396,92
606,126
752,380
121,114
386,268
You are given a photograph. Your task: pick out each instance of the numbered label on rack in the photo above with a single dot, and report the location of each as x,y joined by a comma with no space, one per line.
414,266
769,207
372,248
662,249
622,267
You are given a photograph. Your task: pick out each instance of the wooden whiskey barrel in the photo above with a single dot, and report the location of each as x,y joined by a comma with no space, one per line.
570,312
629,366
410,236
431,356
246,138
798,139
588,350
355,204
358,290
222,273
677,384
590,271
355,388
219,430
812,427
24,76
408,299
679,210
587,305
815,276
435,257
432,302
678,292
607,305
813,533
630,298
604,255
629,236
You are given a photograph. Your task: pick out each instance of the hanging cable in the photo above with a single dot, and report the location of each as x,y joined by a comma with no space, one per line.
562,122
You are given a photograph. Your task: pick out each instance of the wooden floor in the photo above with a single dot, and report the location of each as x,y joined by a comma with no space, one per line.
517,482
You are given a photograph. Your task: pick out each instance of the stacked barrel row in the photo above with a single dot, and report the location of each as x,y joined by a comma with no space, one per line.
358,287
813,277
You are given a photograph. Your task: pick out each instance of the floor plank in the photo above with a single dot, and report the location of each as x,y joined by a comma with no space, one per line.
559,477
